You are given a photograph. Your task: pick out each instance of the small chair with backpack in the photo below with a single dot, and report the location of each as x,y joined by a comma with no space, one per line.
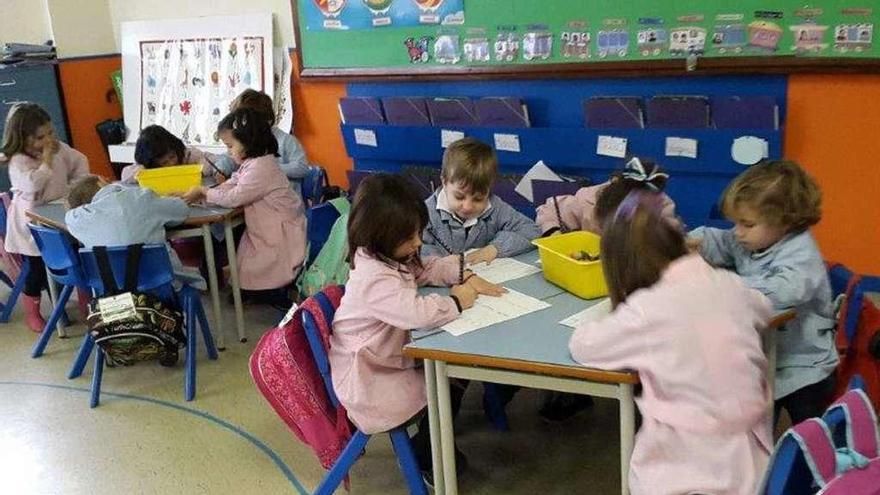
838,454
137,315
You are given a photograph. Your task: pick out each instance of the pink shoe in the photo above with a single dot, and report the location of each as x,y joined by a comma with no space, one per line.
32,315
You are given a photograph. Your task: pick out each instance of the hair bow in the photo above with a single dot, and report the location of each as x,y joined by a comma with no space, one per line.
635,170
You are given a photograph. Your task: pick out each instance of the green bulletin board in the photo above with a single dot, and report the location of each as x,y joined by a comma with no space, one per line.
585,34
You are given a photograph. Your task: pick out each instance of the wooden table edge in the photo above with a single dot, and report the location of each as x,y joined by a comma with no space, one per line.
555,370
45,220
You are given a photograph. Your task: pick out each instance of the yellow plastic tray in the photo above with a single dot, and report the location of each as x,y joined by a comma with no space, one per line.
164,180
584,279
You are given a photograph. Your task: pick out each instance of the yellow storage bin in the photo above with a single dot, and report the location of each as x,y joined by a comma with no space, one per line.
584,279
164,180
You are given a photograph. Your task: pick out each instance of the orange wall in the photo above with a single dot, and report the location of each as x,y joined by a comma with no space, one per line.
833,130
85,83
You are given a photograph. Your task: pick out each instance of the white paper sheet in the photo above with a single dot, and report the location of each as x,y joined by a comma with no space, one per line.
685,147
611,146
539,171
448,137
503,269
593,313
365,137
488,311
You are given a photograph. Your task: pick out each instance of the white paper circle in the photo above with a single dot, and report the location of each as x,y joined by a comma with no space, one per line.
749,150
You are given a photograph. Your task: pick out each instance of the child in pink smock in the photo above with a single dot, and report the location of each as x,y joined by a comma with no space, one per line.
273,246
692,332
40,170
377,384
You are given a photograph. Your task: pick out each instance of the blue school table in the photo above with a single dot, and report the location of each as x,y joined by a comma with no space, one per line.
197,224
529,351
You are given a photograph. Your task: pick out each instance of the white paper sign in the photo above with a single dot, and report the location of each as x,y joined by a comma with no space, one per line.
507,142
681,147
611,146
749,150
488,311
448,137
365,137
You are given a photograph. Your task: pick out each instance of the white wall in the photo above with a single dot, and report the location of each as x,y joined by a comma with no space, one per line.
25,21
128,10
82,27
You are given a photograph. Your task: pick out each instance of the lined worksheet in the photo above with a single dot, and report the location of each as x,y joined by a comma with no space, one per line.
503,269
594,313
489,310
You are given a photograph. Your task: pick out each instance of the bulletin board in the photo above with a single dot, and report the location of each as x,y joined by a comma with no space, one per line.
351,38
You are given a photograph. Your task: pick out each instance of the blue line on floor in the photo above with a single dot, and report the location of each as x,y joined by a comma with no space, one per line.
195,412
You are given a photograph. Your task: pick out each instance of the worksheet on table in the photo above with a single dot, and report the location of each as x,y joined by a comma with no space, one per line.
504,269
489,310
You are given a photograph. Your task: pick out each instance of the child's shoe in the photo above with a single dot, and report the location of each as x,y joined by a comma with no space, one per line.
32,315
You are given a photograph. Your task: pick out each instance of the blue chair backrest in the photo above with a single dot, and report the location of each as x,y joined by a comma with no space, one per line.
839,276
58,252
155,272
3,216
313,185
316,345
319,221
544,189
354,179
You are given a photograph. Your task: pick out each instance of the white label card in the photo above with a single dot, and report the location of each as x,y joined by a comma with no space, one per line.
685,147
448,137
507,142
611,146
365,137
115,308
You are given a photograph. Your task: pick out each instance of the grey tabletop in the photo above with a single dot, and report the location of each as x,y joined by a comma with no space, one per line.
535,337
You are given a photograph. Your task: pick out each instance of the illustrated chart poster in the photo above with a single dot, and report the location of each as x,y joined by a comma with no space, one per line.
369,14
187,85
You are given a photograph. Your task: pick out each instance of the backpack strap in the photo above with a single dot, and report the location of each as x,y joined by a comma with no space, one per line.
105,271
132,267
815,443
860,422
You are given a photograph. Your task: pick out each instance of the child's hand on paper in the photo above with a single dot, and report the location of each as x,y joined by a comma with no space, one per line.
487,254
465,294
483,286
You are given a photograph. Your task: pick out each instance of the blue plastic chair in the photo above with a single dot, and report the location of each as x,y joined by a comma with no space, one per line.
58,252
17,286
313,185
399,438
155,275
319,222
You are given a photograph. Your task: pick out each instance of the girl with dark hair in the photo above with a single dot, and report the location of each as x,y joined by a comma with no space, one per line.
156,147
273,246
377,384
692,332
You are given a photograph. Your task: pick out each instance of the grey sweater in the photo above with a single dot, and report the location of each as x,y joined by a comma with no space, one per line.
507,229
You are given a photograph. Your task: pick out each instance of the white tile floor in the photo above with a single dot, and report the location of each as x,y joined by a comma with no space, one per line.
144,438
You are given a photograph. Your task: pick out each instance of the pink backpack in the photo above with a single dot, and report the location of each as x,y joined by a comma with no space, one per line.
283,368
838,454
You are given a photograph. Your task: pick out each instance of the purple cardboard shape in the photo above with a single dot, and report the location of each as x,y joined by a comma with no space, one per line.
502,112
678,112
406,110
745,112
356,110
623,112
452,112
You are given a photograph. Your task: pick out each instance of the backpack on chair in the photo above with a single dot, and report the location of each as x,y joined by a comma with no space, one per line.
838,454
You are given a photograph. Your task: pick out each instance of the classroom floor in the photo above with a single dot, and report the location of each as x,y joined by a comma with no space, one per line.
145,439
